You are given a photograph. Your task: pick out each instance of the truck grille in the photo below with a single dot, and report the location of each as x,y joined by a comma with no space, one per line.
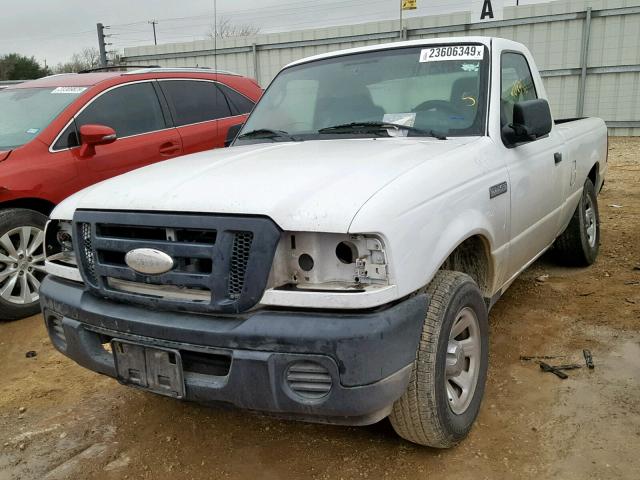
87,254
221,263
239,260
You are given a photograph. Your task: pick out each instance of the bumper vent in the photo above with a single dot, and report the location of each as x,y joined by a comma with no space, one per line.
56,330
239,260
309,380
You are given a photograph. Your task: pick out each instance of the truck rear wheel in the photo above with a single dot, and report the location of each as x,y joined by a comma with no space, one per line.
21,262
578,245
446,387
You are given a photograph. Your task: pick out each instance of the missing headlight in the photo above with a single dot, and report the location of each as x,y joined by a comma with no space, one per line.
328,261
346,252
59,243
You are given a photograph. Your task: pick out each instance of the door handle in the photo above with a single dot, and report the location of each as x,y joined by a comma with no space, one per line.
169,148
557,157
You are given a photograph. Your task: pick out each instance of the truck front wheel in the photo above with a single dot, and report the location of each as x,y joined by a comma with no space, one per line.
444,393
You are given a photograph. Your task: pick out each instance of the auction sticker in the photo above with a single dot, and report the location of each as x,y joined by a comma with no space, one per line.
452,52
69,90
406,119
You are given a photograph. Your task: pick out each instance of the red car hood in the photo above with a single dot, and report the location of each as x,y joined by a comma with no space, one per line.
4,154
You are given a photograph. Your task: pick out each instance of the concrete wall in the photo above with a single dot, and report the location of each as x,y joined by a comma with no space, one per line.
588,51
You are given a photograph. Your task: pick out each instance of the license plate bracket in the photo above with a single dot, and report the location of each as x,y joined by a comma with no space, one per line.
156,369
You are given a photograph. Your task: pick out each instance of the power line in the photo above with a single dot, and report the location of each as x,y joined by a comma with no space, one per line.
292,11
276,11
249,15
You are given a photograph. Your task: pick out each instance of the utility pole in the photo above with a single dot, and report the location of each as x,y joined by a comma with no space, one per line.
406,5
101,45
153,24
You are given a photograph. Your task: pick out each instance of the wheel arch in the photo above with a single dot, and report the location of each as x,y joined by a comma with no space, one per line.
38,204
594,174
473,256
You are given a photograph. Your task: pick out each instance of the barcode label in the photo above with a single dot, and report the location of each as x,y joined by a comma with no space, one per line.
452,52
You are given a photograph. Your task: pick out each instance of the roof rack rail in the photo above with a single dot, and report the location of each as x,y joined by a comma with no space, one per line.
115,68
156,69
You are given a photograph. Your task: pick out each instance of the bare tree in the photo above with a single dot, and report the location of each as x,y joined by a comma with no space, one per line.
85,59
226,28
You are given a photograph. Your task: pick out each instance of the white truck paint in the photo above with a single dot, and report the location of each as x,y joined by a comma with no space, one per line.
406,207
424,196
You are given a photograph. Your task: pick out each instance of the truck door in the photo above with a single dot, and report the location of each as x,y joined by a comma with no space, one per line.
534,170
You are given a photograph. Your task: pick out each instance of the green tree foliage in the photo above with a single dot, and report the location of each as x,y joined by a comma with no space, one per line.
14,66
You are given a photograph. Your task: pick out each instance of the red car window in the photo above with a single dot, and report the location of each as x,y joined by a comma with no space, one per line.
193,101
130,110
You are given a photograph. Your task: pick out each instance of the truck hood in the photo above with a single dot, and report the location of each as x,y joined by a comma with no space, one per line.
4,154
303,186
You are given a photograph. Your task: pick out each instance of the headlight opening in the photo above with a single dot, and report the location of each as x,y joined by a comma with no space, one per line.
328,261
59,243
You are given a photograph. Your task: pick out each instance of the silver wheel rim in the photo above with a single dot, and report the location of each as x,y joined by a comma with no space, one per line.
463,360
21,265
590,222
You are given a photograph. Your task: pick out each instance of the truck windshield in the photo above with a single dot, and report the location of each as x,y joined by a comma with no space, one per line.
439,89
25,112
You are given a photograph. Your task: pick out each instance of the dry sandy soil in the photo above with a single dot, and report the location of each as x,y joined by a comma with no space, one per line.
59,421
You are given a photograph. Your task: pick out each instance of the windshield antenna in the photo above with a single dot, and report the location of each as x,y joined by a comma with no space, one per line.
215,36
215,56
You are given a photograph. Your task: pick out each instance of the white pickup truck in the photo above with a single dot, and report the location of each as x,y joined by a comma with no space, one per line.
338,262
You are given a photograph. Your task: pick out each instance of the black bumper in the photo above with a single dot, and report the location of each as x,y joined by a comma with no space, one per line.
367,354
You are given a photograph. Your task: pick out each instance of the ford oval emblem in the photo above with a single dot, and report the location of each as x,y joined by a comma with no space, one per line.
148,261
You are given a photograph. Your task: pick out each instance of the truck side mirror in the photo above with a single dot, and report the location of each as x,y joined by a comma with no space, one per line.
531,121
232,133
92,135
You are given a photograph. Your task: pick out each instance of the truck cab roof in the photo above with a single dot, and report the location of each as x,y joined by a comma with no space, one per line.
409,43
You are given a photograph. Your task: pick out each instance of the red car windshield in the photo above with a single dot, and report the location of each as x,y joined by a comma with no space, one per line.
27,111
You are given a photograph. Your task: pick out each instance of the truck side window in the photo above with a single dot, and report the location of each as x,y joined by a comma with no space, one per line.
129,110
192,101
516,84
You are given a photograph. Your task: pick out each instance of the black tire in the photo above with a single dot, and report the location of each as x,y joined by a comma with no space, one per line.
573,247
9,220
423,415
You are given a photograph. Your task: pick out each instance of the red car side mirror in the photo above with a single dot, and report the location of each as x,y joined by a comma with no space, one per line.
92,135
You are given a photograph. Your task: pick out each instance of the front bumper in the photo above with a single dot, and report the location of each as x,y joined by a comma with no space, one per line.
368,355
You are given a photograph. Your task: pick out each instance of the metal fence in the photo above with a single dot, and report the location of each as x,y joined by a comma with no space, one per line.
588,51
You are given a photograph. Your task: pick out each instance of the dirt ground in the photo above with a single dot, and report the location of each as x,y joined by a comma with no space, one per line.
59,421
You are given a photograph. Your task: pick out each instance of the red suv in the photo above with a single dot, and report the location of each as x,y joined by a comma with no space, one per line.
62,133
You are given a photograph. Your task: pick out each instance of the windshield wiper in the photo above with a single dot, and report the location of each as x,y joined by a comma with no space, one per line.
366,127
267,133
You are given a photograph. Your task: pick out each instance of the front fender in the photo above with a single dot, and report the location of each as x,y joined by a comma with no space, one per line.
424,215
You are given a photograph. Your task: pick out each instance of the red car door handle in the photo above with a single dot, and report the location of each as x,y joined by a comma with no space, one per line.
169,148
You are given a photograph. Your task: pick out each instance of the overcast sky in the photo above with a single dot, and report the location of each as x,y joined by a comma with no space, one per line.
53,30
